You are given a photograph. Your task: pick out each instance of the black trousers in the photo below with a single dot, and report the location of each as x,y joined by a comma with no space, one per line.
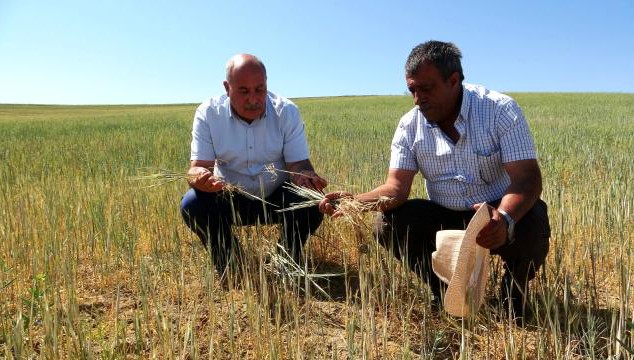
211,216
410,232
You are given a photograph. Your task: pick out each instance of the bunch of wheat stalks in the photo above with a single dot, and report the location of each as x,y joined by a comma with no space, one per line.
164,176
281,265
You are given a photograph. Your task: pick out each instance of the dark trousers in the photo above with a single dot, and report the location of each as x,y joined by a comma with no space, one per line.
410,232
212,215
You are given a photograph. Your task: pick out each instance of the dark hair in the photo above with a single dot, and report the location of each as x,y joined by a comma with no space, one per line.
444,55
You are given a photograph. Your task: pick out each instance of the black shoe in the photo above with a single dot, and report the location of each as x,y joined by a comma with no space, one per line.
438,291
437,287
435,303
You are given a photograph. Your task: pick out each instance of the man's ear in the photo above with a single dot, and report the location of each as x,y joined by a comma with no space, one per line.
227,86
454,79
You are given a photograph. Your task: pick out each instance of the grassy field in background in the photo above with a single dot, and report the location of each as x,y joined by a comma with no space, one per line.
94,264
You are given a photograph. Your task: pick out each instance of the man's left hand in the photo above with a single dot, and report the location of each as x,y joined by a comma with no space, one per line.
309,179
493,235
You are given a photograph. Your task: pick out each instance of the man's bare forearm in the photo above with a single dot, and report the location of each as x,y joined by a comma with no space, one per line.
383,198
524,191
393,193
299,166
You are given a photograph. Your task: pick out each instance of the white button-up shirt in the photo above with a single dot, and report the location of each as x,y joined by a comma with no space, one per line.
493,131
242,150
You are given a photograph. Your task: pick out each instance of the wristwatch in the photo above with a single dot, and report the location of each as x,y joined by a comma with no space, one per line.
510,228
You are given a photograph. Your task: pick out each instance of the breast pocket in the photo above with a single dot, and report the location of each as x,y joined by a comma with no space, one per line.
490,167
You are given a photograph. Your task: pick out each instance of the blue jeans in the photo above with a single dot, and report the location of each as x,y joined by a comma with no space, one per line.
212,215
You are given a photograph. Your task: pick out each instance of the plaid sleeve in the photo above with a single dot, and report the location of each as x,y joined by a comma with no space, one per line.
402,156
516,141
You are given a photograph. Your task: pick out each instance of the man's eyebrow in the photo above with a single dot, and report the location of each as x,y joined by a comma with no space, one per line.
420,86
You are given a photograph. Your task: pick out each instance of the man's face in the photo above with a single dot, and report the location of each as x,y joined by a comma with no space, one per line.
247,91
434,96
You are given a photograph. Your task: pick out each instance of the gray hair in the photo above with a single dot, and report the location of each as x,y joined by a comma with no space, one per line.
444,55
242,58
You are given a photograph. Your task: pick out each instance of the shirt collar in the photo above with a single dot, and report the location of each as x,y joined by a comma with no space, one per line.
466,102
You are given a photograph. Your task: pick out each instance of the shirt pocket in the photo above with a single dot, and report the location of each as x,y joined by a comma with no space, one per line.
490,167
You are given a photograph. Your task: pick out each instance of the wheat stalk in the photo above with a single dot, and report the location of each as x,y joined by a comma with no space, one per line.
284,269
164,176
351,209
347,206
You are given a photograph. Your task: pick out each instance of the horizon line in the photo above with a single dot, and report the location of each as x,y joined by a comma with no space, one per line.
303,97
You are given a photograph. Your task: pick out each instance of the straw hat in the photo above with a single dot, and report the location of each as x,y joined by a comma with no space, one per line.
464,265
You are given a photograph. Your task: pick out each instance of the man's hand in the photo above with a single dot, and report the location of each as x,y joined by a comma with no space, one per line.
309,179
203,179
327,205
303,174
520,196
493,235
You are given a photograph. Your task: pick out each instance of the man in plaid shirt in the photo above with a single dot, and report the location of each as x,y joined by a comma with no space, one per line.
472,146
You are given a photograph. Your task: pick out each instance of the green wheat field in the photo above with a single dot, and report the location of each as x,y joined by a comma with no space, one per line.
97,264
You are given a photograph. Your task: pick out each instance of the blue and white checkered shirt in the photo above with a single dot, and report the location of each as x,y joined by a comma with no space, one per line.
493,131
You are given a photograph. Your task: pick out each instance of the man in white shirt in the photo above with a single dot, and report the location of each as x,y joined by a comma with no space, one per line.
471,145
237,138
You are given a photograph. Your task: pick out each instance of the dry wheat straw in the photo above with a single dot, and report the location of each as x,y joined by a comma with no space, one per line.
287,271
164,176
348,206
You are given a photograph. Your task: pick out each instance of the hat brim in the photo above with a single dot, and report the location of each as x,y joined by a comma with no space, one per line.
445,258
467,285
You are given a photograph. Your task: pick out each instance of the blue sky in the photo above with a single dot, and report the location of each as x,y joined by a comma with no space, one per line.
130,52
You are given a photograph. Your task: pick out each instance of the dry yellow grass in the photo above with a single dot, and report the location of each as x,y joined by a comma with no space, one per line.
94,267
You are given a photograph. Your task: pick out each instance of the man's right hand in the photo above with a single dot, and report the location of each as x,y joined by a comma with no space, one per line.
327,205
204,180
